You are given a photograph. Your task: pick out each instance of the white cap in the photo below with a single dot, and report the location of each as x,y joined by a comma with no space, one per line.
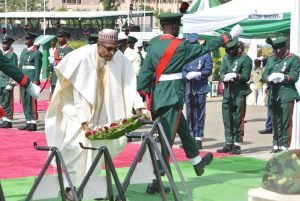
139,43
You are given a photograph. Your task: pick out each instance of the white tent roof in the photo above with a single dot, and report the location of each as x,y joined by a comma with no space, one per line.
71,14
234,12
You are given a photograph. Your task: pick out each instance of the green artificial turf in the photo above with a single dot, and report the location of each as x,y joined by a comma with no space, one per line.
225,179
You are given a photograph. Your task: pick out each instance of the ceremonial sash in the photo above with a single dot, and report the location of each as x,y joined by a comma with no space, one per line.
163,62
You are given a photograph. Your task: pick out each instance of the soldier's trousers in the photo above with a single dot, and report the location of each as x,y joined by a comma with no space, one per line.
7,102
282,115
195,109
29,105
173,121
238,112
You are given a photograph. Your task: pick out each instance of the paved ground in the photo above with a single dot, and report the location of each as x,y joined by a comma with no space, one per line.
255,144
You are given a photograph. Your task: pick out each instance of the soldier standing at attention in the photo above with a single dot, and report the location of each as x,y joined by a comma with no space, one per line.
132,55
196,75
7,84
166,57
235,73
31,64
281,73
62,50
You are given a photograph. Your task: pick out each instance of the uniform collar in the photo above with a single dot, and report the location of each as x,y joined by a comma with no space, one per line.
166,37
32,48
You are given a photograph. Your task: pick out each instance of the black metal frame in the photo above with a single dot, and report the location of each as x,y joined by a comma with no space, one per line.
2,198
60,166
110,171
150,142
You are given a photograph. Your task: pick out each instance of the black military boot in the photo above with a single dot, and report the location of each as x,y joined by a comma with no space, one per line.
154,188
206,160
32,127
6,124
236,150
24,127
226,149
199,144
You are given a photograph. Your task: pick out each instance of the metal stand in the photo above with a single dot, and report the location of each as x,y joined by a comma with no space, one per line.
60,166
110,170
1,194
149,141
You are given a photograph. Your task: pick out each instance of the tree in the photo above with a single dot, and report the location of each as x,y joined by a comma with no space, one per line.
17,5
110,5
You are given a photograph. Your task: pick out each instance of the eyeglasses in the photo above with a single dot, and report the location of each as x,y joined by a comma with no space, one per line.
111,50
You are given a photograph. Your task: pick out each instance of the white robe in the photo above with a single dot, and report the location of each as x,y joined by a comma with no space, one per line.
134,58
78,72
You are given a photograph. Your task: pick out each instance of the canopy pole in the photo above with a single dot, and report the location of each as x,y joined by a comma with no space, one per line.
295,48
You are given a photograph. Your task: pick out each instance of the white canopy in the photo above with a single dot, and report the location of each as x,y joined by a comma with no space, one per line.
233,12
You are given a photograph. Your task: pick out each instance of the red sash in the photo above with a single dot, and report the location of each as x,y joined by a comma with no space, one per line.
163,62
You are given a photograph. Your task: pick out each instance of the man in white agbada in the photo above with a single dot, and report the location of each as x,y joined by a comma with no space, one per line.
96,85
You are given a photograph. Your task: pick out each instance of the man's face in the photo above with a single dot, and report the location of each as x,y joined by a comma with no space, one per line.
107,50
29,42
279,52
62,40
233,51
6,46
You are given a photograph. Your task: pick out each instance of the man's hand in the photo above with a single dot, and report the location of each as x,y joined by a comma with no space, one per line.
193,74
236,31
51,60
33,90
8,87
276,78
229,77
85,126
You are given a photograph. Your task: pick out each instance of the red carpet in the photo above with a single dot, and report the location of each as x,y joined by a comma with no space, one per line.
42,106
18,157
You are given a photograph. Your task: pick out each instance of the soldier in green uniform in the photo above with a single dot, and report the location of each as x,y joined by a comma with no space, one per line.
235,73
281,73
31,64
168,93
7,84
62,50
16,74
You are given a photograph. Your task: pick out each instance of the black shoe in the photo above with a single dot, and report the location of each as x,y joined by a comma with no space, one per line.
24,127
32,127
276,150
206,160
266,131
226,149
6,124
154,188
236,150
199,144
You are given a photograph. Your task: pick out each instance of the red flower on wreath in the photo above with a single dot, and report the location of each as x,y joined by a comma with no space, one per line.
88,133
113,124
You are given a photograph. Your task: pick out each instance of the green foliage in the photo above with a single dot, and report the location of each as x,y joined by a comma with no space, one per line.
17,5
62,9
110,5
76,44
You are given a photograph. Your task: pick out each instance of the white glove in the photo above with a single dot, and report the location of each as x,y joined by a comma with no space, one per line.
276,77
52,60
34,90
193,74
8,87
229,77
236,31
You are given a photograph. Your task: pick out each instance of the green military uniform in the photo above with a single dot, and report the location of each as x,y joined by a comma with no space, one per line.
241,65
31,64
168,95
282,94
7,84
59,54
16,74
